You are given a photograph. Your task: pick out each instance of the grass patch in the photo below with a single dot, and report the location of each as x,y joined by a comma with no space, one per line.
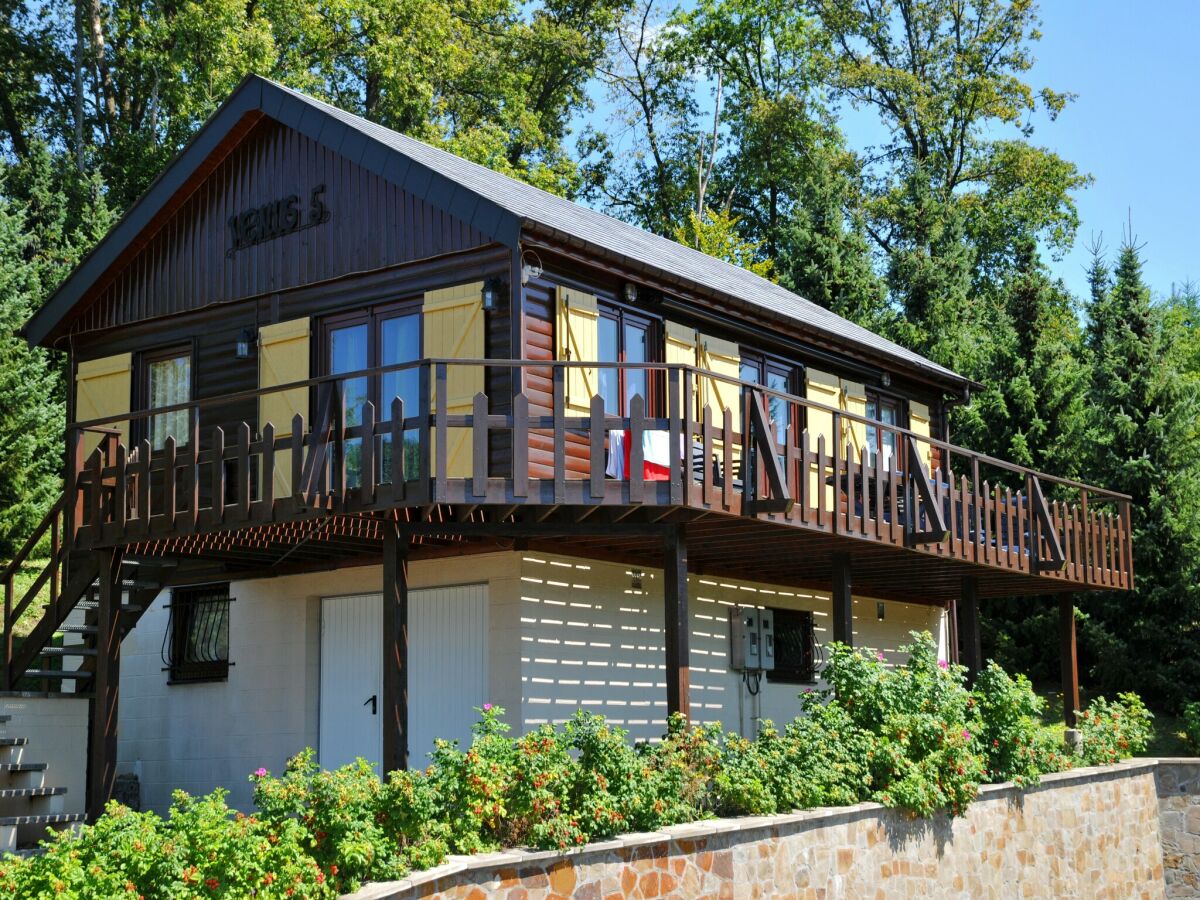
1168,728
23,581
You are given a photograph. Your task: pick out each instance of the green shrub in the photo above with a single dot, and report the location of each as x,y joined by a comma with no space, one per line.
1191,727
202,849
920,715
1110,732
1018,747
911,737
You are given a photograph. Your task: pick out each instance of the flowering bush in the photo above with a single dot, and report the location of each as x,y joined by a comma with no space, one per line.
1018,747
1191,726
202,849
912,737
1110,732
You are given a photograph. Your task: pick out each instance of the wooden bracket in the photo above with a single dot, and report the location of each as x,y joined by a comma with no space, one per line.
315,470
778,499
925,501
1046,530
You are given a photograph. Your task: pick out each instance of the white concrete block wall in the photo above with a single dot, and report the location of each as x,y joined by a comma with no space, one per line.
197,737
564,633
592,640
57,729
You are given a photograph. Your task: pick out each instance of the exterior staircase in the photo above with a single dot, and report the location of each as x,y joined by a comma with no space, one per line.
59,653
28,806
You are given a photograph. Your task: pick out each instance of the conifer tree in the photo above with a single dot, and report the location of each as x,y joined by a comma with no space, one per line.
1143,442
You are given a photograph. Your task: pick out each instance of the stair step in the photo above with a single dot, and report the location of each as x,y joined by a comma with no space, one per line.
56,673
77,629
69,650
13,742
22,767
125,607
45,819
14,793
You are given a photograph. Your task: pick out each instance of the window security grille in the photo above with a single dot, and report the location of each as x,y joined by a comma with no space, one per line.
196,643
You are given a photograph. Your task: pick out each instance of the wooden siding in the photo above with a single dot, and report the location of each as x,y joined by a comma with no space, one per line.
184,266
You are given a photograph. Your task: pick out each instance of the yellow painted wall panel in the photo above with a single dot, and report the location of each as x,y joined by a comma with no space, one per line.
284,356
453,328
103,387
577,338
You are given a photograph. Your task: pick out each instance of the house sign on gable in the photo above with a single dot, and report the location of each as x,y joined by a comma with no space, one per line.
275,219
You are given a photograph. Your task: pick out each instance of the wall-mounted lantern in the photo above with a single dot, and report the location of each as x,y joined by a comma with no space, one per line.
879,610
629,291
245,344
491,293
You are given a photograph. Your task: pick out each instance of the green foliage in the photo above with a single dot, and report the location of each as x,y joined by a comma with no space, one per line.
1110,732
911,737
1017,746
1191,727
202,849
715,234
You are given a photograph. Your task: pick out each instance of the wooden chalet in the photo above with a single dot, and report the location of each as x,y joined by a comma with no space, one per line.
318,357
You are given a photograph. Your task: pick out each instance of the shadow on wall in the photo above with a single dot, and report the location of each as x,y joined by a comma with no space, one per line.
592,639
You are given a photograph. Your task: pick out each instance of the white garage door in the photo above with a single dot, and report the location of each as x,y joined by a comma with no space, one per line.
447,653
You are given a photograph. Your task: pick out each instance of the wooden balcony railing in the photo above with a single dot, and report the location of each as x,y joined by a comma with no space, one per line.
529,443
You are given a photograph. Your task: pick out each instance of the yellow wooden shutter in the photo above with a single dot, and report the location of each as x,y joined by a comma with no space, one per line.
680,349
722,358
577,338
821,387
918,423
854,401
283,357
453,324
103,387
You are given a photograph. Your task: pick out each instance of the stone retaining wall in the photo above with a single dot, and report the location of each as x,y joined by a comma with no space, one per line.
1086,833
1178,782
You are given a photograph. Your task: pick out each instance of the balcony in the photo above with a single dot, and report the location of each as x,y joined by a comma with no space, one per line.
531,459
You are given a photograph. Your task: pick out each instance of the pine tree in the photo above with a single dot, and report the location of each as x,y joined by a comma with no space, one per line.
1143,440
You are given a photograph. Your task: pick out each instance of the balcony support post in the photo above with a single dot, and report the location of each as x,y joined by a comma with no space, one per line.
969,648
843,601
395,649
1068,658
675,596
102,734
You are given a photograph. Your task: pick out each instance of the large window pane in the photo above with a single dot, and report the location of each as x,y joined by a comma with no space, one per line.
348,352
170,383
610,351
399,342
637,349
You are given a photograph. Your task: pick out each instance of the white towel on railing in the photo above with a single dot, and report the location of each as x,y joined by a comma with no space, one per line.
615,466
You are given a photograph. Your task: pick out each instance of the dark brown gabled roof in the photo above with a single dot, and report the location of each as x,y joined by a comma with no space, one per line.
496,204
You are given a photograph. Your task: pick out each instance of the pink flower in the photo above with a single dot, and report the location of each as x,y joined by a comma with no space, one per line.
260,772
943,665
487,707
966,735
879,656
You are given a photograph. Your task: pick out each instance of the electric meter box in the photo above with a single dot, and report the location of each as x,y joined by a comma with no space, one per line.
752,639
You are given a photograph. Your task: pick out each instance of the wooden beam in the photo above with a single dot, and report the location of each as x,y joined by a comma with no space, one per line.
102,743
969,648
843,601
395,650
675,595
1069,658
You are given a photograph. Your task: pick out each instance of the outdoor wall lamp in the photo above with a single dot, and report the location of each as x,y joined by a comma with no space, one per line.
245,344
879,610
491,293
629,292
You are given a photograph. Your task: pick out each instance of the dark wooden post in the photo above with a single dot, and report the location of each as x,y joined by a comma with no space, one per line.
969,648
1069,659
675,595
395,649
102,761
843,601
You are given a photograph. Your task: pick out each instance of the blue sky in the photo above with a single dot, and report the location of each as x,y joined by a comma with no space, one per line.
1135,126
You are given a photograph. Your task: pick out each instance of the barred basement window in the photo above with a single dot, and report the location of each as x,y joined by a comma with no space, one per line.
196,645
794,647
